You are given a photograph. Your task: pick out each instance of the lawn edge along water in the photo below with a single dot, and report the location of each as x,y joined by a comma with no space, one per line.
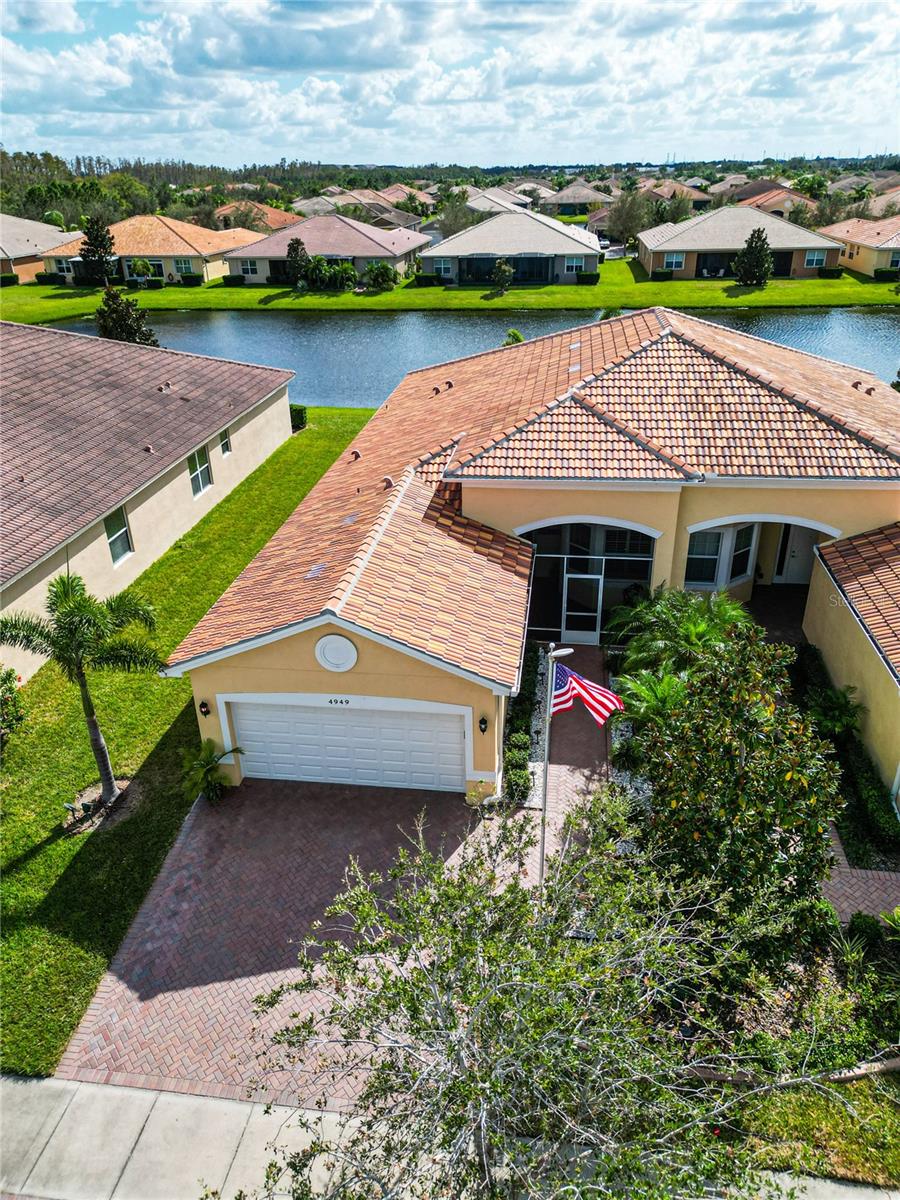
68,901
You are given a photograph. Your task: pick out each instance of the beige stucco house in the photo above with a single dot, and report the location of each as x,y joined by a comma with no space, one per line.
112,452
703,247
23,244
525,492
867,246
172,248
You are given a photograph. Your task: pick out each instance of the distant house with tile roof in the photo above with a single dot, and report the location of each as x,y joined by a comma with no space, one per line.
111,452
264,215
524,492
336,238
540,249
867,246
173,248
779,201
576,199
23,244
704,246
886,203
729,185
666,189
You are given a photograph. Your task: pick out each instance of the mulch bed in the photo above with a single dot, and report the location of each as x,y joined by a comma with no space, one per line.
128,799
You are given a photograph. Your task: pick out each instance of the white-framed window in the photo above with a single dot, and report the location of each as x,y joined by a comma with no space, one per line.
184,266
895,258
248,266
815,258
720,558
443,267
63,266
118,536
225,442
198,469
574,264
673,261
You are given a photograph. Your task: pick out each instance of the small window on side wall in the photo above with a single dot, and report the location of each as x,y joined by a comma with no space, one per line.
703,557
198,468
673,262
117,535
815,258
225,442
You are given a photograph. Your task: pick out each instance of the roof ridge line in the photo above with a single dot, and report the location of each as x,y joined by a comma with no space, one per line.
367,547
796,398
536,414
629,431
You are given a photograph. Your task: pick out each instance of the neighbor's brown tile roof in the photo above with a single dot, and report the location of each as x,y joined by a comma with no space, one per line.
342,237
79,416
774,196
153,235
866,568
661,396
273,218
884,232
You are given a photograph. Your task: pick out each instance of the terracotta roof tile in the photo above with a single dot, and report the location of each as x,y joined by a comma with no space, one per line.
156,235
343,237
272,218
866,568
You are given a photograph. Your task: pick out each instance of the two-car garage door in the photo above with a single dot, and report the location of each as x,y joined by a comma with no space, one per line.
378,747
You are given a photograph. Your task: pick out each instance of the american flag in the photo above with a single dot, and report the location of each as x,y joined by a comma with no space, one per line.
597,700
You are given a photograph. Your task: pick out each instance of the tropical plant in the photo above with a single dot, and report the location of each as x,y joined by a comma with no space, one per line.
513,338
670,630
812,184
97,250
650,699
861,192
343,277
141,267
54,217
380,276
297,261
502,276
753,264
119,319
82,634
12,710
318,273
202,770
835,712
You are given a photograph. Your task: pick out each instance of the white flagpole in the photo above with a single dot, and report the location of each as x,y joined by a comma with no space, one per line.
552,655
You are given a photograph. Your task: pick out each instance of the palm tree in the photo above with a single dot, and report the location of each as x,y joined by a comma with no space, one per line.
862,191
83,633
671,629
649,699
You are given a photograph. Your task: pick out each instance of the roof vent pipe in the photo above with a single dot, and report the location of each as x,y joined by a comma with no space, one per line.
388,482
870,391
449,384
857,383
355,455
435,391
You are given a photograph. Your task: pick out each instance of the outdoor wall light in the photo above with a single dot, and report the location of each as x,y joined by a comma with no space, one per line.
205,710
482,724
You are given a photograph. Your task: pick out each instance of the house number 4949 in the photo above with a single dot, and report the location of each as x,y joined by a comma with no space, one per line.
338,700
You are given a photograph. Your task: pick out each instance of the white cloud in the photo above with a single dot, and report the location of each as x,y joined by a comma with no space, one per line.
41,16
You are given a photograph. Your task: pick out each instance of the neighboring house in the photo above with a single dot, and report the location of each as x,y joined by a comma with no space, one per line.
314,206
111,452
23,244
729,185
886,203
575,199
173,248
885,182
598,222
540,186
667,189
867,246
337,238
505,195
398,192
849,183
779,201
265,214
754,187
523,491
703,247
697,181
492,200
539,249
853,616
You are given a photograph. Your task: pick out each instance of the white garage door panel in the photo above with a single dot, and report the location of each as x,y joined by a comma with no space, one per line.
378,747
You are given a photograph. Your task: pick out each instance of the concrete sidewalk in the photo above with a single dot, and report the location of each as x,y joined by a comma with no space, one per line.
63,1140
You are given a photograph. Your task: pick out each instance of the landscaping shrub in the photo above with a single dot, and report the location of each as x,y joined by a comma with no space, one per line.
12,711
233,280
830,272
521,707
659,274
10,279
193,280
587,277
861,779
517,786
132,285
423,280
298,417
887,274
48,277
380,276
515,759
869,930
154,285
519,741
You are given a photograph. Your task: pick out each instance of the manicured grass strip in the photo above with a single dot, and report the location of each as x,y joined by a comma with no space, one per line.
811,1131
67,902
623,284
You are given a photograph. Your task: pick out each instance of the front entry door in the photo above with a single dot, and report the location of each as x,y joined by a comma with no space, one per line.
798,557
582,602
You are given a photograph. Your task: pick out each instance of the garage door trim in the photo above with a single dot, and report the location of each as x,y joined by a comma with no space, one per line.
343,701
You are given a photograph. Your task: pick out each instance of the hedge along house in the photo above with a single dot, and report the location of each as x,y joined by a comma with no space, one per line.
539,249
854,616
528,489
336,238
174,249
868,246
111,452
704,247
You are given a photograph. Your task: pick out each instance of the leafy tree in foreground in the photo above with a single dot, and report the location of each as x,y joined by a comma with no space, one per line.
502,275
97,250
628,215
504,1044
81,634
297,261
753,263
119,319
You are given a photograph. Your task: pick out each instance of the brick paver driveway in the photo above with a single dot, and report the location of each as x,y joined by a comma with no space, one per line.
239,889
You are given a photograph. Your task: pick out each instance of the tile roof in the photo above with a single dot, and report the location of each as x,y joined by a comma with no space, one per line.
20,238
652,395
517,232
866,568
728,229
775,196
881,233
879,203
273,218
79,414
579,192
341,237
156,235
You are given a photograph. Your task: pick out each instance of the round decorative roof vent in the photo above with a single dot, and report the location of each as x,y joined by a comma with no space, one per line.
336,653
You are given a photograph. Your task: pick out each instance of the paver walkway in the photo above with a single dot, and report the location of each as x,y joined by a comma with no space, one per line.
851,889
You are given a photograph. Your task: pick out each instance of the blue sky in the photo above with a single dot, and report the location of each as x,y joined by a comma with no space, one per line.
471,81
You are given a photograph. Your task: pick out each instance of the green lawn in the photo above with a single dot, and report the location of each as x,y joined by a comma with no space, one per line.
68,901
622,285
